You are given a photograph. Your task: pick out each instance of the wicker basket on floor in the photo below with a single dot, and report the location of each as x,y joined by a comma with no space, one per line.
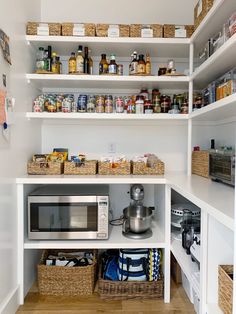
124,290
45,168
225,290
107,168
88,167
169,30
140,168
67,29
66,281
200,163
54,28
136,30
102,30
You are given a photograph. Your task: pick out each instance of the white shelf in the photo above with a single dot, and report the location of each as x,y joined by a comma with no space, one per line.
95,179
116,240
187,265
122,47
107,81
215,198
218,64
213,309
219,110
213,21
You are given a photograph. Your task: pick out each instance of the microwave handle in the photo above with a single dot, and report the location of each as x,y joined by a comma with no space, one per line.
51,220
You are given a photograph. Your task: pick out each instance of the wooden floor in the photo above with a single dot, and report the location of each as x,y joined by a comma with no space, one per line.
36,304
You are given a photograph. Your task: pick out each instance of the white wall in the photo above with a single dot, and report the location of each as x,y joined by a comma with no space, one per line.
24,138
122,11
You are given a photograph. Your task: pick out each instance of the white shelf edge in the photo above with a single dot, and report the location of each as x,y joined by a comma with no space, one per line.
213,309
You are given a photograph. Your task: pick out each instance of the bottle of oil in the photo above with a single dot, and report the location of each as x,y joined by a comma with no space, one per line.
86,60
80,61
148,64
72,63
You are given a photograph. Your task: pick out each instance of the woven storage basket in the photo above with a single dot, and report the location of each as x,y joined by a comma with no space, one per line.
45,168
102,30
225,290
169,30
86,168
67,29
199,15
124,290
54,28
106,168
135,30
140,168
66,281
200,163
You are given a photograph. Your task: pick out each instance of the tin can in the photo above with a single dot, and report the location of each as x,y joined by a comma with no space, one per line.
66,105
91,104
120,105
108,104
82,103
120,69
74,107
100,102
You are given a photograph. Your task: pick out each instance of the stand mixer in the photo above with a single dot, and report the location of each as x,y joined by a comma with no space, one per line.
137,217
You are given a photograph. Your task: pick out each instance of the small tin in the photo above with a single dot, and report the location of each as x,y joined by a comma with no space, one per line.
82,103
91,104
120,69
108,104
100,103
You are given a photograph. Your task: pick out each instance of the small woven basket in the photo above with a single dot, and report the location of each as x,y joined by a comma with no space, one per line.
67,29
136,30
225,288
102,30
122,168
66,281
140,168
45,168
200,163
85,168
54,28
169,30
124,290
199,16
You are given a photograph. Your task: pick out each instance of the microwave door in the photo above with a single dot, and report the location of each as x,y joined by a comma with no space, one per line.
73,217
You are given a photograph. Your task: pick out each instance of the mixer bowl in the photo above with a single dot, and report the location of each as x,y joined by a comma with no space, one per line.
137,218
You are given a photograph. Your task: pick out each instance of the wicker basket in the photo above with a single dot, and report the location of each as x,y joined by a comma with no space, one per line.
124,290
54,28
200,163
102,30
136,30
67,29
45,168
199,15
66,281
225,290
86,168
106,168
169,30
140,168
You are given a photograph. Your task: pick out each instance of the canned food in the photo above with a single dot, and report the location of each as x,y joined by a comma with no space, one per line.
82,103
74,107
91,104
66,105
108,104
59,101
100,102
120,105
120,69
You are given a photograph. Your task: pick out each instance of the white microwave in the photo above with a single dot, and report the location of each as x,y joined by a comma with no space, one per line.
60,212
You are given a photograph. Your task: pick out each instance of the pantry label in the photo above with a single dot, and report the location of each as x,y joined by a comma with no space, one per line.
180,31
113,31
78,30
43,29
147,33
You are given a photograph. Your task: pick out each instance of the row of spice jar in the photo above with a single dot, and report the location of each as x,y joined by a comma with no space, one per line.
108,103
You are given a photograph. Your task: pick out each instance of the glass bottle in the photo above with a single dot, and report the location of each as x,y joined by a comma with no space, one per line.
72,63
58,65
90,63
86,60
40,59
103,65
54,63
134,64
80,61
148,64
130,65
141,65
112,67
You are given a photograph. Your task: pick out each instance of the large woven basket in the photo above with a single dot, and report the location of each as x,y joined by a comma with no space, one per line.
45,168
199,15
135,30
102,30
140,168
124,290
106,168
54,28
200,163
67,29
225,291
169,30
86,168
66,281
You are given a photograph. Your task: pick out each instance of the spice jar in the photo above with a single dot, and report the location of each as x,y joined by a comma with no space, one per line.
165,103
100,102
156,101
184,107
108,104
139,104
148,107
144,93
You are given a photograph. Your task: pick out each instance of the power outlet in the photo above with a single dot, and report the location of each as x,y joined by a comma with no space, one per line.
111,148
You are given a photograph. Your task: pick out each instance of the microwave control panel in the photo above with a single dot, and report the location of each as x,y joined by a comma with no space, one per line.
103,213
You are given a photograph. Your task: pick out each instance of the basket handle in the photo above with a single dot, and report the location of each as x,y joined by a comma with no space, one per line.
44,165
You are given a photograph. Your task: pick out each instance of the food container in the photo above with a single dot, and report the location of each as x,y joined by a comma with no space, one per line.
108,104
200,11
206,52
225,288
119,104
141,168
200,163
51,29
100,104
66,281
146,30
78,29
108,168
110,30
232,24
165,103
177,31
217,41
45,168
88,167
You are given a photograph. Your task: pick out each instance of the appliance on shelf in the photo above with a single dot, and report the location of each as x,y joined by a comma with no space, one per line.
137,218
195,248
61,212
177,211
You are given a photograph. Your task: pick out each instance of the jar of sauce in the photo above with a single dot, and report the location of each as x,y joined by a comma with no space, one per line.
162,71
141,65
148,107
165,103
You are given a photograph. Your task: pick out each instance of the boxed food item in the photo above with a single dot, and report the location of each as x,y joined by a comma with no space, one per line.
177,31
226,84
119,165
146,30
43,29
112,30
206,52
78,29
200,11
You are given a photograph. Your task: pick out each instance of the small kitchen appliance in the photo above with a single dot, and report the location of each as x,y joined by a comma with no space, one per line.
137,217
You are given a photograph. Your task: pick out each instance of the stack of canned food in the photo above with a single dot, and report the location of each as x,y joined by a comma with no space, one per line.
143,103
